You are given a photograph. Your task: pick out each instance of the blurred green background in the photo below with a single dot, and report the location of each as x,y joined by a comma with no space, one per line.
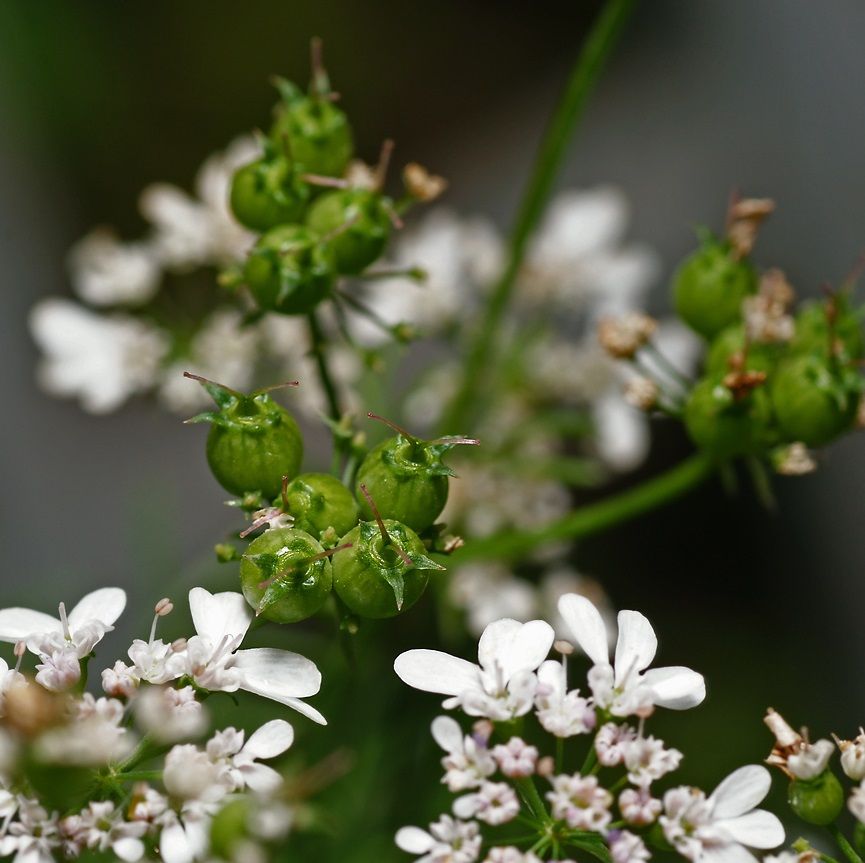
98,99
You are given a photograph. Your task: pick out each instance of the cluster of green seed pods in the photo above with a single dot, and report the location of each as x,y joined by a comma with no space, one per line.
370,543
319,215
773,376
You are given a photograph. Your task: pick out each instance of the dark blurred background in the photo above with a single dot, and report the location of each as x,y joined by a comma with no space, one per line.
99,99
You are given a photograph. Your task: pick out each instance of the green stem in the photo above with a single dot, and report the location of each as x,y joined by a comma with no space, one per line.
317,347
841,841
596,517
529,792
142,751
586,71
590,762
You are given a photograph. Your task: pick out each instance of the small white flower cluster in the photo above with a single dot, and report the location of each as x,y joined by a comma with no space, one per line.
496,772
151,712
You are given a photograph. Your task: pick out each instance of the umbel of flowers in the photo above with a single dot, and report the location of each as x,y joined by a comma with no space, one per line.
135,772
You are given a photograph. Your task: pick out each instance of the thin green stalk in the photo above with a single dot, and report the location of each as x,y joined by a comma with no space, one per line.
590,761
841,841
596,517
529,791
585,74
318,344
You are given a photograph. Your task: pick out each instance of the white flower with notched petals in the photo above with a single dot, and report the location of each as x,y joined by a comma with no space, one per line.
468,762
811,759
213,660
170,715
626,847
101,827
516,758
33,837
852,755
448,841
612,742
121,680
107,272
625,687
561,712
79,631
238,761
494,803
722,827
185,834
580,801
646,759
503,684
155,661
511,854
101,360
638,807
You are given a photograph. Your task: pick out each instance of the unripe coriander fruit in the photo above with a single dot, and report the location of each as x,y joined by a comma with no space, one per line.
406,477
360,221
817,801
386,570
268,192
315,130
253,441
709,286
285,576
290,270
731,341
812,330
723,427
318,501
815,400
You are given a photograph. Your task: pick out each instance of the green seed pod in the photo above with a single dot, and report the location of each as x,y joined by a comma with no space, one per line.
709,286
815,400
730,342
253,441
290,270
407,478
817,801
268,192
723,426
285,575
318,501
360,222
314,129
813,328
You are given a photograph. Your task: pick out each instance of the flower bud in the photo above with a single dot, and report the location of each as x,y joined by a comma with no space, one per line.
642,393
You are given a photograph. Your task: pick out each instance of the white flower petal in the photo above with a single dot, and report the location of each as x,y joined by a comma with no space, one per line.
278,671
447,733
530,646
757,829
636,646
262,779
414,840
128,848
174,846
741,791
496,642
676,687
466,807
104,605
301,707
272,739
17,624
731,852
586,625
434,671
218,615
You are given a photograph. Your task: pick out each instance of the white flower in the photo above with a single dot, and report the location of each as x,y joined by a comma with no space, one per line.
191,233
121,680
646,760
488,592
561,712
9,677
627,847
621,432
468,761
239,761
106,272
510,854
191,774
638,807
494,803
59,669
611,743
169,714
448,841
185,835
501,687
214,662
101,827
80,631
516,758
580,801
155,661
856,803
33,837
100,359
811,759
852,755
627,688
720,828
